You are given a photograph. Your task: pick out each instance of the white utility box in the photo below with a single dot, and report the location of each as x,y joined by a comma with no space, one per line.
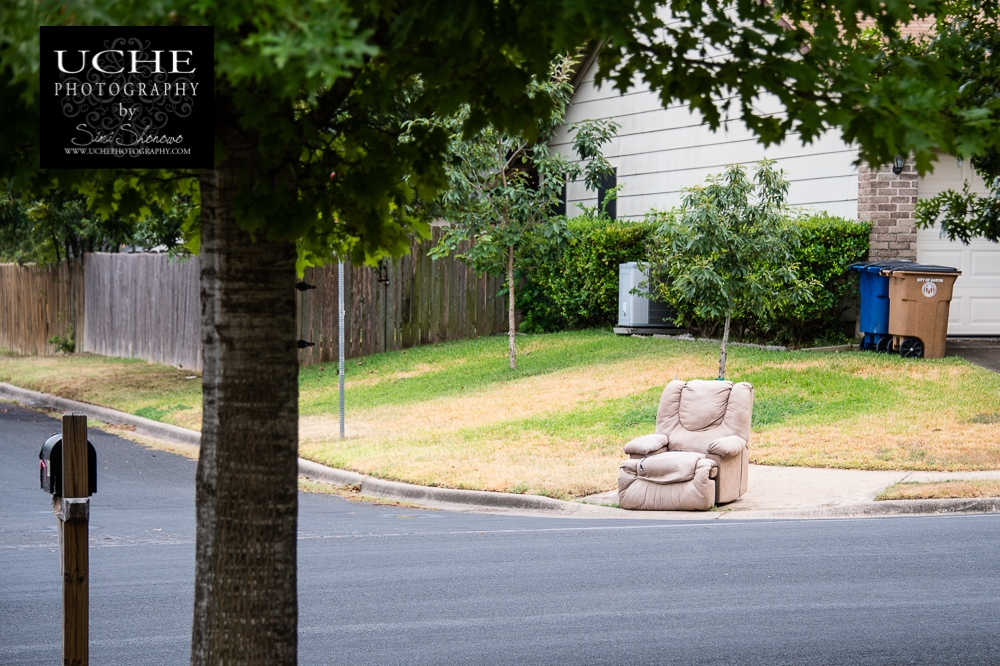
636,309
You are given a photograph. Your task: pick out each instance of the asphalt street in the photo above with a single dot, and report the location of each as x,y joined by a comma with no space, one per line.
385,585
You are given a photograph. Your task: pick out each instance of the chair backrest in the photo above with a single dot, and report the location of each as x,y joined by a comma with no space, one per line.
696,413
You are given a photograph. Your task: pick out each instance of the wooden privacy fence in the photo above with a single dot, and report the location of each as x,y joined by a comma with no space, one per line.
147,306
37,304
403,303
142,306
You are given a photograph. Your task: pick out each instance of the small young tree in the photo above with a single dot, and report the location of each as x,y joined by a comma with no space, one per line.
728,249
503,186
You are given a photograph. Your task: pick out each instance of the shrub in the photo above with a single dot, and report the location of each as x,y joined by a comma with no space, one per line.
578,287
828,246
67,344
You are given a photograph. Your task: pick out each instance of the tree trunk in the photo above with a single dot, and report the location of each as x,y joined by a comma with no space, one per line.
245,610
511,325
722,353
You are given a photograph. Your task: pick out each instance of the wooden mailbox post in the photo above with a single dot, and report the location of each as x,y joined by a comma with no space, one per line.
68,471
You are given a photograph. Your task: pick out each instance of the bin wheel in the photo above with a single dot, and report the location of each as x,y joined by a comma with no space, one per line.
911,348
884,343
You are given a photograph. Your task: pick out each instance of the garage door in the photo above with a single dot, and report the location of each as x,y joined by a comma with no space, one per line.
975,307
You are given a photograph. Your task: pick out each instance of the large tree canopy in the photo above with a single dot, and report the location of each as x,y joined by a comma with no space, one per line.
969,40
321,88
324,86
805,67
309,88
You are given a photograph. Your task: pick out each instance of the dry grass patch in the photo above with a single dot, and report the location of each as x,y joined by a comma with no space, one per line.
910,440
536,465
819,362
561,391
958,489
159,392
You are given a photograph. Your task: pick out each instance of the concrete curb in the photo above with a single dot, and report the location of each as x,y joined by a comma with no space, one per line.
307,468
427,495
876,510
478,499
143,426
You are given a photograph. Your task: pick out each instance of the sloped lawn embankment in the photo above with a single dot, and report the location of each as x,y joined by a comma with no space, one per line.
454,415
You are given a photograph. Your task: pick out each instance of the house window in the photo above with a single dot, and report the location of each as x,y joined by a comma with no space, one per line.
560,208
606,184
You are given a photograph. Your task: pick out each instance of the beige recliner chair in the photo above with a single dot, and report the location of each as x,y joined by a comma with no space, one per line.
698,456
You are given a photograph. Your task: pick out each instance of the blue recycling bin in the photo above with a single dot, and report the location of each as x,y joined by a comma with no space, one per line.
873,318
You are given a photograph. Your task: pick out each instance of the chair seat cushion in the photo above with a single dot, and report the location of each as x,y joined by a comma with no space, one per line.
665,487
670,467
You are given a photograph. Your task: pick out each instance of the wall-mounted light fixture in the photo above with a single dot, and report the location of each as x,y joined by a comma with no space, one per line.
897,164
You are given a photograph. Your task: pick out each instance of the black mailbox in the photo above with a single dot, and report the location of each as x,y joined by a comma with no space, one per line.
50,466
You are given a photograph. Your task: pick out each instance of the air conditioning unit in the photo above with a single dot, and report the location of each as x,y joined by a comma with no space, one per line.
635,308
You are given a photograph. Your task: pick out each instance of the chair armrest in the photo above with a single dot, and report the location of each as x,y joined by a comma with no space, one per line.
646,445
729,445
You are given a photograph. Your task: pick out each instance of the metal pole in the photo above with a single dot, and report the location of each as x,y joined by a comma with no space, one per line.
340,329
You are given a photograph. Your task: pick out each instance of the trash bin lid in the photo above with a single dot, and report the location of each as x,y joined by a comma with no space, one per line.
878,266
919,268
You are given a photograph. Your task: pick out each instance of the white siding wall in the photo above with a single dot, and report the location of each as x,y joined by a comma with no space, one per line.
660,151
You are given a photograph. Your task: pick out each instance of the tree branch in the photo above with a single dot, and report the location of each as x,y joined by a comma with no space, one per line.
330,102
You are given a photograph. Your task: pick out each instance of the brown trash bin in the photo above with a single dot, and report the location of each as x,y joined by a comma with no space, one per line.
919,301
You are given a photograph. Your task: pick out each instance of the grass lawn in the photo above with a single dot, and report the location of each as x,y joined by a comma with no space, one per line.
454,415
157,392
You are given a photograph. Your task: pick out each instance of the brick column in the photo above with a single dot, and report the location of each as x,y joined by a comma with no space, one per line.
888,201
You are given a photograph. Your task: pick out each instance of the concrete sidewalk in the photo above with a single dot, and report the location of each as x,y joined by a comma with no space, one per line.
809,488
774,492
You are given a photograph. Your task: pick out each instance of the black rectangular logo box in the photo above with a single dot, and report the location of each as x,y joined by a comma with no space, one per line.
127,97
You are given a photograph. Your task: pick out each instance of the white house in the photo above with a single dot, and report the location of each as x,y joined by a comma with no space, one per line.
658,152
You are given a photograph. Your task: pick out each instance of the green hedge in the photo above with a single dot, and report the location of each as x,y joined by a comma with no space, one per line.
578,287
828,245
